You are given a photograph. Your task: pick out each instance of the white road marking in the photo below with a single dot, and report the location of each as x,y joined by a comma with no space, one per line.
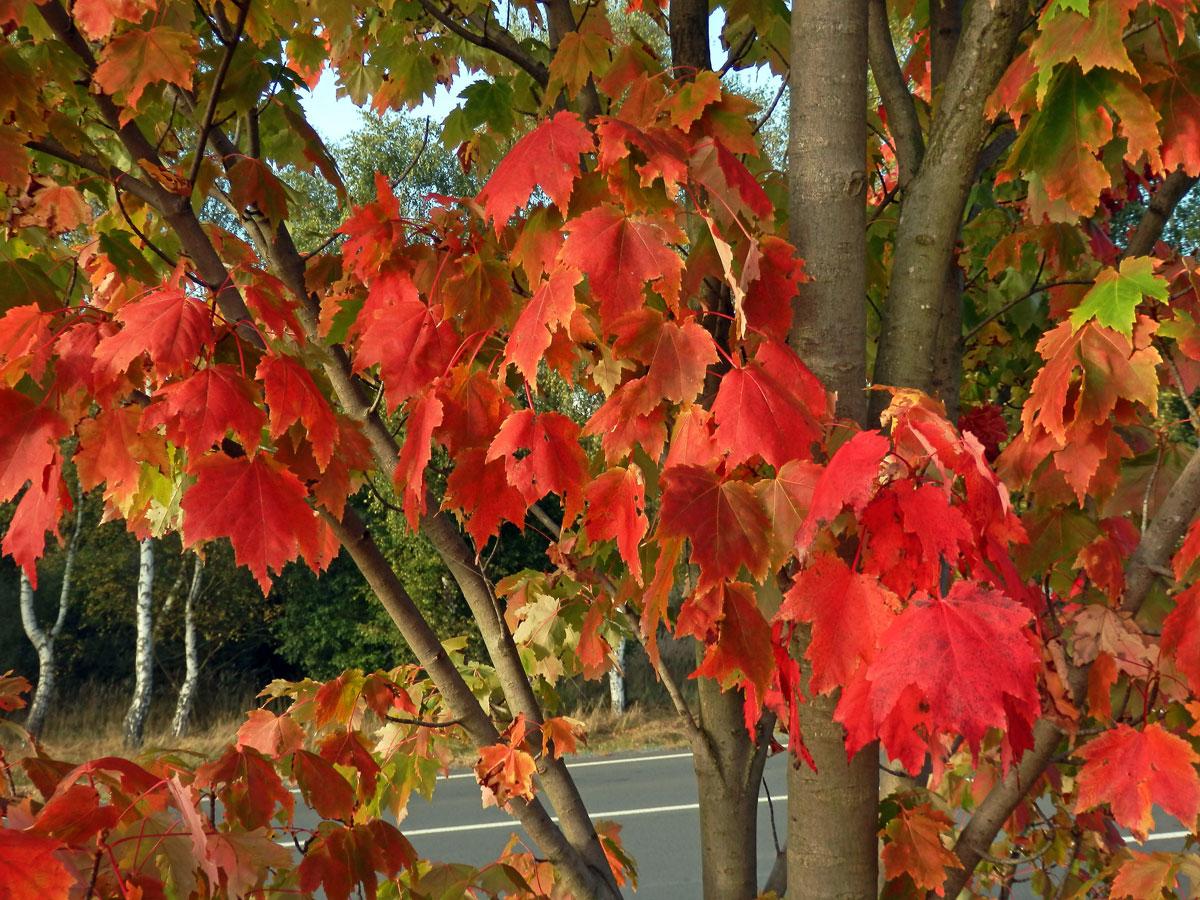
1160,836
593,762
577,765
621,813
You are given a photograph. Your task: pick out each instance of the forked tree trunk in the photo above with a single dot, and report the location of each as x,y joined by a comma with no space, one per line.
143,665
187,691
43,640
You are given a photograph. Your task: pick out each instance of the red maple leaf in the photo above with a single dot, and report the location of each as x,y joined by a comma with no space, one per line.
255,504
270,734
474,405
247,785
547,156
848,611
137,58
1181,635
292,396
616,503
677,354
724,520
29,870
322,786
551,308
75,815
915,847
167,325
1132,770
97,17
622,427
964,657
482,490
403,336
742,650
44,501
850,479
112,449
621,255
504,772
200,409
424,415
374,230
550,461
757,416
28,441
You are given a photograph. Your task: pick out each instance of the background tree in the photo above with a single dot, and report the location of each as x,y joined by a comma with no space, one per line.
850,549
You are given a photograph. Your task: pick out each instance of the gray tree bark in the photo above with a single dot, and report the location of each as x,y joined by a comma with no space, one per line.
134,727
43,640
831,846
187,691
616,681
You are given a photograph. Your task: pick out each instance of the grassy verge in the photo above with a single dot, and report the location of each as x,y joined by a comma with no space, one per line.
94,731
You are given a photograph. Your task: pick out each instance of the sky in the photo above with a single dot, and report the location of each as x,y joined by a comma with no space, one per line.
335,118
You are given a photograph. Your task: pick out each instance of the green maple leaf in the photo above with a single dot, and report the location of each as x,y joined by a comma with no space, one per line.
1113,300
1058,6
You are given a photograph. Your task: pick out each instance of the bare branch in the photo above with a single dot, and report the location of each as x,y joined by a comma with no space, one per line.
1158,213
218,82
894,92
502,43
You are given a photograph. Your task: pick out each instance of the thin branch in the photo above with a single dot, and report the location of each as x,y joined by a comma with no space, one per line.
1158,213
145,240
218,82
119,177
766,116
416,158
736,53
1193,414
427,723
504,43
893,91
1036,289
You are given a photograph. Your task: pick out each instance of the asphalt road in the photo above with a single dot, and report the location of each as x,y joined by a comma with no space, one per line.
653,796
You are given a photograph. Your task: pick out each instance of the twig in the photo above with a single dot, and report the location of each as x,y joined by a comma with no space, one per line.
1036,289
426,723
416,158
771,812
145,240
771,109
736,54
218,81
1193,415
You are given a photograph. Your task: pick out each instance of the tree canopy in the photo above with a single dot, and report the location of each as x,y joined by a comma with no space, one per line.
893,423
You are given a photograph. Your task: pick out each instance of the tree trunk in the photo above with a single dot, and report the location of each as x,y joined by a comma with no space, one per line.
187,691
918,304
831,844
833,812
728,771
44,645
616,680
135,718
43,641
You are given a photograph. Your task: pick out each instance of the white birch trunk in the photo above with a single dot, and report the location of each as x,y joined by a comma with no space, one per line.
616,680
42,640
135,718
187,692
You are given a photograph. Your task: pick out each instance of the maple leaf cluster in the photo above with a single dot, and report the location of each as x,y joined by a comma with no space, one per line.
696,481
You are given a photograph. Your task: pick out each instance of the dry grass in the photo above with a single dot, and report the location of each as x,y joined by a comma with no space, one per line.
93,729
90,728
